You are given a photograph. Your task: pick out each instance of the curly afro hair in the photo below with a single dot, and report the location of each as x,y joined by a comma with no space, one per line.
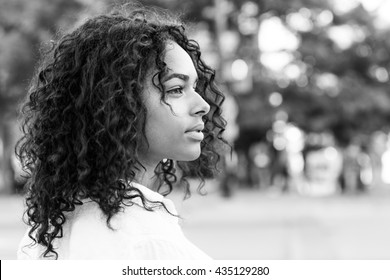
84,118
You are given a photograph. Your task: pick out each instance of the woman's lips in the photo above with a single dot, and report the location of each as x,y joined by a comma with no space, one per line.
196,135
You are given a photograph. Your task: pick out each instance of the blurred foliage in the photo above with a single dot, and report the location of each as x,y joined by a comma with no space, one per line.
358,104
24,25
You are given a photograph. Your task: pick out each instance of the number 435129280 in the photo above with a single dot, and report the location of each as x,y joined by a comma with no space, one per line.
230,270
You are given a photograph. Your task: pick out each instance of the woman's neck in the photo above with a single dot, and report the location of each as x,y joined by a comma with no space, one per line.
146,177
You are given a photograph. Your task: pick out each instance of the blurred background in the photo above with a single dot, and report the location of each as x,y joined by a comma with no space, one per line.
308,110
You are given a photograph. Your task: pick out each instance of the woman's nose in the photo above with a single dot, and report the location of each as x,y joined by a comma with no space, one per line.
202,107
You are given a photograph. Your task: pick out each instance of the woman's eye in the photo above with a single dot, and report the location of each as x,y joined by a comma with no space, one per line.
178,90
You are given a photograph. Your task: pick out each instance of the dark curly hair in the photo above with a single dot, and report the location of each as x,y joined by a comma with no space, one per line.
84,118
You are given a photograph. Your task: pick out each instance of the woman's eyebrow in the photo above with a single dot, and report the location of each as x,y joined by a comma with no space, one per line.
176,75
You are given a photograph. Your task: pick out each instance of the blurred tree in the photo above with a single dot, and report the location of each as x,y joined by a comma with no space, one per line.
336,79
24,25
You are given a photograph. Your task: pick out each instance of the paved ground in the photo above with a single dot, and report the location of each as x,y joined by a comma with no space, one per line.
263,225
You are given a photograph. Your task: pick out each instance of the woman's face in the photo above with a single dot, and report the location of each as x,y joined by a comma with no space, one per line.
174,131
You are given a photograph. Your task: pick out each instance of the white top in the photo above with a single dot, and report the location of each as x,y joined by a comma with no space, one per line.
138,234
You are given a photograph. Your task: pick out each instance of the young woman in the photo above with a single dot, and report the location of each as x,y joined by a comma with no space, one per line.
121,102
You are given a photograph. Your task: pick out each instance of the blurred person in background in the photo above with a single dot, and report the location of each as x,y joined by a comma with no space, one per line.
322,170
119,103
279,169
260,173
356,175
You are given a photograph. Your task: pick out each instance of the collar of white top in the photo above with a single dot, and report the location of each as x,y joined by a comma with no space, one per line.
153,196
148,193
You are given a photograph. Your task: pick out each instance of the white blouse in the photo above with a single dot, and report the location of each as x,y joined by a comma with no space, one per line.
137,234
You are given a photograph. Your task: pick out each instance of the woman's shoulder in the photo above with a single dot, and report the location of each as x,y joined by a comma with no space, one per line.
88,235
131,218
89,228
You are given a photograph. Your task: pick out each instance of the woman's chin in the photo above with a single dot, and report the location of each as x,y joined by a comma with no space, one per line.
190,156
